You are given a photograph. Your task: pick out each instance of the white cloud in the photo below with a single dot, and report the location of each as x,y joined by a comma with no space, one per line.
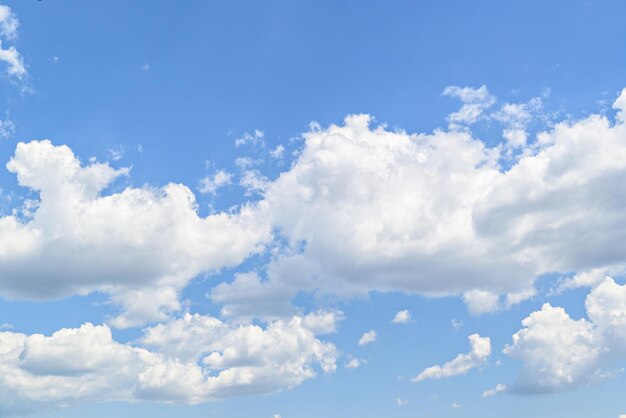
7,129
8,31
500,388
210,184
463,363
354,363
366,209
278,152
193,359
361,209
13,58
368,337
620,106
402,317
116,153
481,301
456,405
475,102
557,351
8,23
254,138
141,245
560,353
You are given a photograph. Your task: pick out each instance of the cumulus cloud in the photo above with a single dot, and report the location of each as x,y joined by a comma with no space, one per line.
191,359
402,317
140,245
363,208
561,353
368,337
461,364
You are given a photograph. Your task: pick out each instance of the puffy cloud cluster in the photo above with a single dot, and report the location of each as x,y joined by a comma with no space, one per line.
139,245
461,364
193,359
560,353
362,208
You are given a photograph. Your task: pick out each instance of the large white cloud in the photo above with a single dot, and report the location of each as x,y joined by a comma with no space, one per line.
364,208
193,359
560,353
140,245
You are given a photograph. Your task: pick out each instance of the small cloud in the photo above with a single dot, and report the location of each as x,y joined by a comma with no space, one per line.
494,391
6,326
354,363
7,129
276,416
402,317
54,59
456,405
116,153
145,67
278,152
461,364
246,162
210,184
255,138
402,402
456,324
475,102
368,337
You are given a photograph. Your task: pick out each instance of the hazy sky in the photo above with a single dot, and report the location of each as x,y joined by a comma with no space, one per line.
312,209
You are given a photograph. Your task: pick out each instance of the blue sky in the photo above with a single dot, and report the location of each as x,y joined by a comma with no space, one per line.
234,195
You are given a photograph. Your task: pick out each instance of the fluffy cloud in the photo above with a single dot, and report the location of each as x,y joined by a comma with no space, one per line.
560,353
402,317
139,245
210,184
361,209
368,337
461,364
481,301
367,209
475,102
193,359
